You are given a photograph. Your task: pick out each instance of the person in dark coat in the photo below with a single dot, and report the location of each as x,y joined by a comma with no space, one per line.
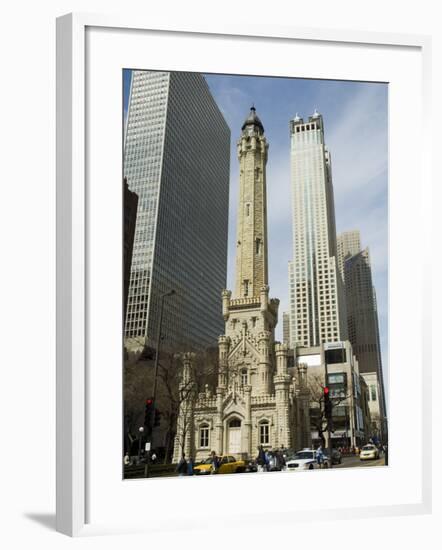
261,458
215,462
182,466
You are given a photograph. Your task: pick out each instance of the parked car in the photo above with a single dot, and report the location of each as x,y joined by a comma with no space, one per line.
251,466
369,452
336,456
228,465
305,460
288,453
275,462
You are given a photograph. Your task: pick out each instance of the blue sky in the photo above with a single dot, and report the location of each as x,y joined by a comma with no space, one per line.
356,132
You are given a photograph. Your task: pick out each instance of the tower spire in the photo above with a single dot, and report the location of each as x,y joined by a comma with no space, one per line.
251,250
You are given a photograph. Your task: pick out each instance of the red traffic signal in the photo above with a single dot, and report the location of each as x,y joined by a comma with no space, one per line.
149,402
327,403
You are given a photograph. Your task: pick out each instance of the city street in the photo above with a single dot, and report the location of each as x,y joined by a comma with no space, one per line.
355,462
169,470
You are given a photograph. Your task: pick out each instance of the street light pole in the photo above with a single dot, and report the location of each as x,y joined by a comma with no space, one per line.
157,351
140,430
329,442
155,376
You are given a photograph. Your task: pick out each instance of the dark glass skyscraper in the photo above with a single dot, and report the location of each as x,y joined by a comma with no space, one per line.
176,158
363,328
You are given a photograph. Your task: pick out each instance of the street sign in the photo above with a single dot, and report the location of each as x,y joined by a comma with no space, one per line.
147,446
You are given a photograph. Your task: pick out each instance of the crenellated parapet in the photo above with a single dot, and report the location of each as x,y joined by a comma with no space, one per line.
187,359
243,303
264,342
281,351
263,400
205,402
224,344
223,350
302,375
274,305
264,297
268,306
226,295
253,143
264,335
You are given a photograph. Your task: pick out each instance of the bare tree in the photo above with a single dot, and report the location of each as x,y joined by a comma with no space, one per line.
179,394
319,418
171,393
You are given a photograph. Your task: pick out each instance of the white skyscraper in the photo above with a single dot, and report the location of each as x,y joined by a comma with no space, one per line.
317,306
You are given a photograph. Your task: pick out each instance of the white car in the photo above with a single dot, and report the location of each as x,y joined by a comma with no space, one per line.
305,460
369,452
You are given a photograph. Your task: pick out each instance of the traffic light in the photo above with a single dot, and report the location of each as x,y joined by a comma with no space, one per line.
157,418
148,414
327,403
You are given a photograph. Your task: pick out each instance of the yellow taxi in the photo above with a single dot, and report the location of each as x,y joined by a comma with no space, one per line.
227,465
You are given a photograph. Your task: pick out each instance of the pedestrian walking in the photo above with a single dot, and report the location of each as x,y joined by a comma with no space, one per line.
385,447
261,459
190,465
182,466
215,462
320,456
281,459
268,461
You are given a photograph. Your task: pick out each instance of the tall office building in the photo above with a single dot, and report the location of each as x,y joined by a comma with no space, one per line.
317,302
363,328
130,205
363,331
286,328
348,244
176,158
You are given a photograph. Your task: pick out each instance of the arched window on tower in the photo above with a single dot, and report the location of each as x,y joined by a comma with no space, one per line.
264,432
204,436
246,287
258,246
244,377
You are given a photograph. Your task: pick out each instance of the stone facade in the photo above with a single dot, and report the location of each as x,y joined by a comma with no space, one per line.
251,251
256,400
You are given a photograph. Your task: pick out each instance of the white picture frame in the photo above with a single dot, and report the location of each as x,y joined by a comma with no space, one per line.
81,40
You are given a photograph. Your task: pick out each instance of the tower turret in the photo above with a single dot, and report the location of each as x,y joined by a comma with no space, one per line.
251,246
